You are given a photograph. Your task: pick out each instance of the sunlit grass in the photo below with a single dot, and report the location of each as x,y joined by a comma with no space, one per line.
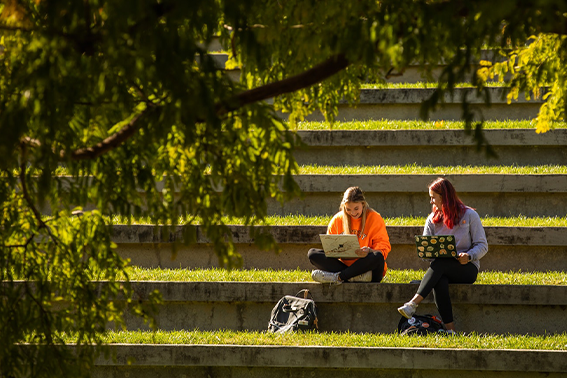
339,339
303,220
388,124
414,169
281,275
426,84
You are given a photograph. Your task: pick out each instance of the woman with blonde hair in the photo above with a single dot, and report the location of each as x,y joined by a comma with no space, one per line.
355,217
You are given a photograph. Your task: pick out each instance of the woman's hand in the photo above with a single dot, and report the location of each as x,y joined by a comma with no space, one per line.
463,258
364,251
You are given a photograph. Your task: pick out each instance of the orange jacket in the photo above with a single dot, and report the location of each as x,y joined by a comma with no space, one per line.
374,235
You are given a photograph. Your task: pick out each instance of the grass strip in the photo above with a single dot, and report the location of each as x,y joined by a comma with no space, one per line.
414,169
303,220
298,275
388,124
429,84
340,339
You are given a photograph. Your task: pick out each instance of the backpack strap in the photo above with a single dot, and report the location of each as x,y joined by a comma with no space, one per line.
305,292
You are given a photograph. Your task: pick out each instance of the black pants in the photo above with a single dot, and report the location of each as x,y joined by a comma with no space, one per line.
440,274
373,261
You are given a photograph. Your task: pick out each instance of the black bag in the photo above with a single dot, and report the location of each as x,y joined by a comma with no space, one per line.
420,325
293,313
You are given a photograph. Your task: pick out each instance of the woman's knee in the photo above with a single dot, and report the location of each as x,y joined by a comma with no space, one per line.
443,265
375,257
313,253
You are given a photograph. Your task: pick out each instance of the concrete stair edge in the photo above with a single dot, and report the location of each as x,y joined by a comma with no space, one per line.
337,357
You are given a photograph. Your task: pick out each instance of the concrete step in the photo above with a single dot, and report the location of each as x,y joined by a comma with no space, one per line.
396,195
405,104
355,307
510,248
235,361
523,147
393,195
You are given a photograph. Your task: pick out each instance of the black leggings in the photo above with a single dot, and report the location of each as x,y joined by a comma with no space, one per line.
373,261
440,274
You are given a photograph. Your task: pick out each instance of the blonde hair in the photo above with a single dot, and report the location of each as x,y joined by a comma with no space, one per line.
354,194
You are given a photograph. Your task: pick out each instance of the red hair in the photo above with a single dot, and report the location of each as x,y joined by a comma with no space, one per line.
452,208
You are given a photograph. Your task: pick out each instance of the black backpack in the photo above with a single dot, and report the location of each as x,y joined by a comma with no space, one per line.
293,313
420,325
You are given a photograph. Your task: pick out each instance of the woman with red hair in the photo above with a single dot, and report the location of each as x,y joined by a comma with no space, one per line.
449,216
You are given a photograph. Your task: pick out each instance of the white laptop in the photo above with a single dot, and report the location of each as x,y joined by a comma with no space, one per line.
343,246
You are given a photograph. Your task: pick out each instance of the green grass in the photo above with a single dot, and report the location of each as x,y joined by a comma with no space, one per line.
427,84
298,275
413,169
339,339
303,220
387,124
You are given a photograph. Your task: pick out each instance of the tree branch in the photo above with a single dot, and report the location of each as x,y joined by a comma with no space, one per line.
16,28
305,79
98,149
25,192
109,143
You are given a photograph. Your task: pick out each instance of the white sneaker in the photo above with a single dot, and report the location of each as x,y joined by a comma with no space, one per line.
364,277
326,277
450,332
408,309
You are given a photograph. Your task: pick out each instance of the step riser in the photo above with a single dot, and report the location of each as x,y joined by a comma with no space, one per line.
518,138
430,147
286,372
510,248
430,156
388,204
496,112
294,256
360,318
324,361
363,307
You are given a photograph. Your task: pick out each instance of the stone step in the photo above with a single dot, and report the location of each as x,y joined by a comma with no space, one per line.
405,104
394,195
363,307
144,361
523,147
510,248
